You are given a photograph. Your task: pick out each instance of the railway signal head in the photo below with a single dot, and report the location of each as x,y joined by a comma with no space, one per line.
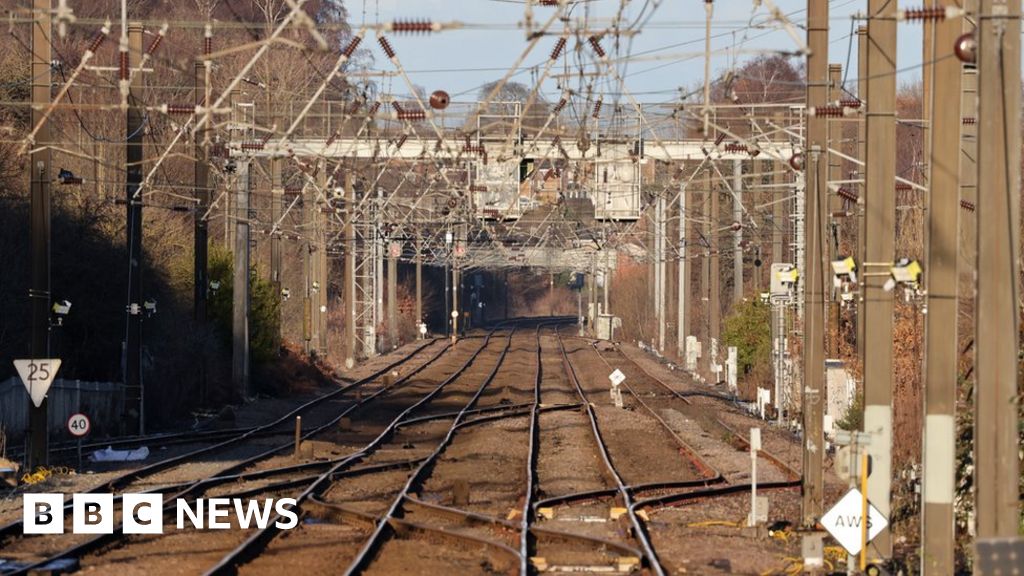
844,270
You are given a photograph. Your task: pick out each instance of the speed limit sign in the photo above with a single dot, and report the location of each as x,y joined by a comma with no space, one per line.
79,425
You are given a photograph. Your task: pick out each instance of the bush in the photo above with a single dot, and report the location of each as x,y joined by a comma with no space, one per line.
264,307
749,329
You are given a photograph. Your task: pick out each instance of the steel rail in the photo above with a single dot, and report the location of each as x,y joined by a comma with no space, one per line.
528,511
385,528
256,543
639,530
793,474
119,482
221,477
709,472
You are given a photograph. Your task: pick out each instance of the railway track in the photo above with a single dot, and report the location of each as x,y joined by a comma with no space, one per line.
437,428
40,551
515,461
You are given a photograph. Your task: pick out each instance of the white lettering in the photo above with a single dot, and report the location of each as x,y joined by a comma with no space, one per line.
92,513
185,510
245,515
217,508
143,514
42,513
285,508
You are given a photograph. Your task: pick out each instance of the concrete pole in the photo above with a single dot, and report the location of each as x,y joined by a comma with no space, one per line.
309,262
455,301
835,205
941,345
779,219
659,264
419,280
968,184
379,250
880,228
737,234
276,209
240,285
39,228
229,199
715,275
320,302
134,154
591,294
928,69
998,217
705,265
607,283
392,300
200,237
862,153
814,293
683,280
350,272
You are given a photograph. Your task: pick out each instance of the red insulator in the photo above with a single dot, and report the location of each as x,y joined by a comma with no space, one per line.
252,146
903,187
352,45
97,41
827,111
207,46
180,109
558,107
123,66
474,149
597,109
401,141
595,43
396,106
412,115
477,188
439,100
969,206
386,46
154,44
557,51
412,27
850,103
374,109
969,121
735,147
548,2
933,14
847,194
719,139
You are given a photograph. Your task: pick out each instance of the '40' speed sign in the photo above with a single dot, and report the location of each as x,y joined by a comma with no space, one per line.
79,425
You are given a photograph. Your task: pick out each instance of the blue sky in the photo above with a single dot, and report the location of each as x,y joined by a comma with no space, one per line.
667,53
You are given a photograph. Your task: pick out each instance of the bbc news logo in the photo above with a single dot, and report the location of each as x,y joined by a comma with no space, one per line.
143,513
